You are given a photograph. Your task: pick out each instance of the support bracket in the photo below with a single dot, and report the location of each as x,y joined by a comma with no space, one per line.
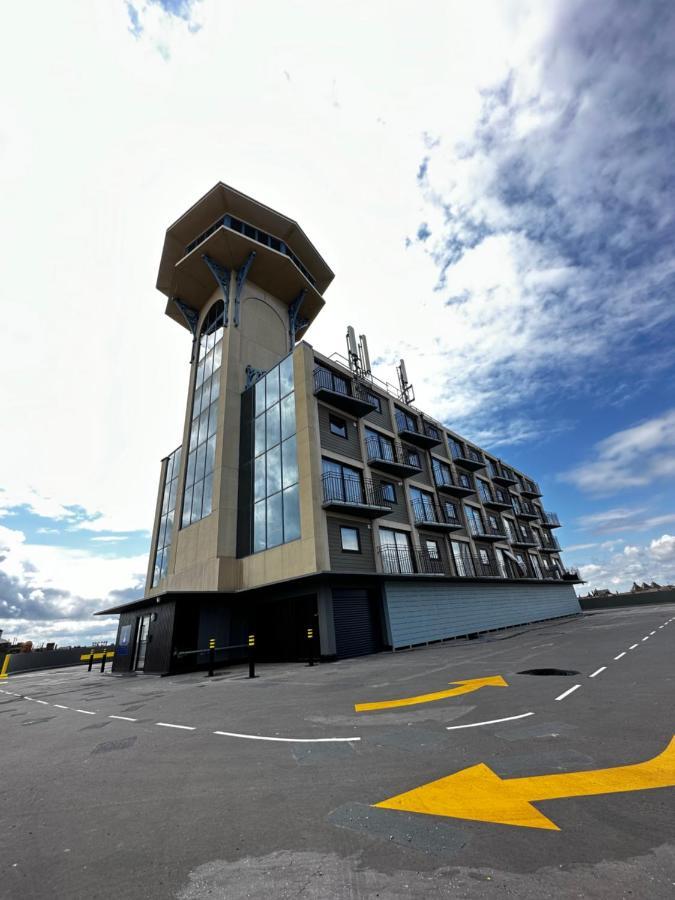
191,317
295,321
241,278
222,276
253,375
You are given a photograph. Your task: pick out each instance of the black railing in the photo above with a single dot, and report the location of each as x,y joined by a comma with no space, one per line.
550,543
523,535
466,453
485,529
472,566
392,452
350,489
527,486
326,380
428,511
550,518
431,431
406,423
409,561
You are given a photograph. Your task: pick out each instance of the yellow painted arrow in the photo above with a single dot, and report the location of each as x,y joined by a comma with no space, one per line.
480,794
464,687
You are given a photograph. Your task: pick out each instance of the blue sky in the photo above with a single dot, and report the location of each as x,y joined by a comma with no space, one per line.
510,165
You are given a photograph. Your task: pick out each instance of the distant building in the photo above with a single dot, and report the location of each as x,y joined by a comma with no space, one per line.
305,493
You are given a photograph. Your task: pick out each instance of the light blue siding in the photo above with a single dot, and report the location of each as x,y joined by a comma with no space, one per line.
416,613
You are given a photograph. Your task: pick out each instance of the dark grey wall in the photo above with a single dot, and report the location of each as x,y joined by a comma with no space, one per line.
619,600
377,418
399,510
425,474
348,446
48,659
350,562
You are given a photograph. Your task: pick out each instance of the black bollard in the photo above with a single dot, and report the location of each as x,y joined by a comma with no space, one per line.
251,656
103,661
310,638
91,661
212,656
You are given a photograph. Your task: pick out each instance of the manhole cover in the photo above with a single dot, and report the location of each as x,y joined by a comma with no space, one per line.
549,672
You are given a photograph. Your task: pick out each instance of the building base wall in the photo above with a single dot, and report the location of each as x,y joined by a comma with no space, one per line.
615,601
418,613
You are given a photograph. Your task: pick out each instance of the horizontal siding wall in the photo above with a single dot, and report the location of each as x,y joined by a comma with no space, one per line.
349,446
429,612
344,561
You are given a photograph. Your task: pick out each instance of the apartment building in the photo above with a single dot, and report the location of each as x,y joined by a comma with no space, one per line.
304,493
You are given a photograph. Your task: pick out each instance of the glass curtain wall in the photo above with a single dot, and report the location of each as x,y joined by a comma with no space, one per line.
276,510
198,497
165,532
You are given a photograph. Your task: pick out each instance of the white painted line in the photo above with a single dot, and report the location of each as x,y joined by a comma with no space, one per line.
28,698
568,692
169,725
652,632
598,671
43,702
260,737
123,718
645,638
660,627
488,722
632,646
620,655
59,706
87,712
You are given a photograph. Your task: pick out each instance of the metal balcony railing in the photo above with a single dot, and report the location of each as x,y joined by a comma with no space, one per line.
409,561
485,530
529,488
356,396
349,489
426,512
388,451
550,544
551,519
524,537
466,456
471,566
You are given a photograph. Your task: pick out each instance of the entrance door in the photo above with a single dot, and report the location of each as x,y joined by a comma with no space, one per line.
142,642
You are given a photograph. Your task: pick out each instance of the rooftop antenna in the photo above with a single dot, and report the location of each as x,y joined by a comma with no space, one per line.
353,351
365,356
407,391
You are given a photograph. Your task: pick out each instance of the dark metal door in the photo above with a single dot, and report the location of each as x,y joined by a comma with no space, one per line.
357,623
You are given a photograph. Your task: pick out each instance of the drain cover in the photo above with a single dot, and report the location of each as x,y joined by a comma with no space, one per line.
549,672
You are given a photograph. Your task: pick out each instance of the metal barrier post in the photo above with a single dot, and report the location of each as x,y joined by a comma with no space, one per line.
103,662
310,638
212,655
251,656
91,661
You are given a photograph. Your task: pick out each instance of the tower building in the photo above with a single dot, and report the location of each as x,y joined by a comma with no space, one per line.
304,493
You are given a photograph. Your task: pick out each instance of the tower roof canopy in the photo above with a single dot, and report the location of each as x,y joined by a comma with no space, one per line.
228,226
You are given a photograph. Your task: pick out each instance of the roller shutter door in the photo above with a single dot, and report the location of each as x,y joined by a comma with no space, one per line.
357,627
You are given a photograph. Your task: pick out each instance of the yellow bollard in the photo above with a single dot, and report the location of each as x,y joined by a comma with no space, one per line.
5,666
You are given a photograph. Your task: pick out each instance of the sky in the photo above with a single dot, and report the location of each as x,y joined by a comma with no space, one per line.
492,183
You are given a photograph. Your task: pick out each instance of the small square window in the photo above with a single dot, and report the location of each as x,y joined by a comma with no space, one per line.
376,400
350,539
388,492
432,550
337,426
484,558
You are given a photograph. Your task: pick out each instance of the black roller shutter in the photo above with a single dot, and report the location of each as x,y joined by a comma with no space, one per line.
357,626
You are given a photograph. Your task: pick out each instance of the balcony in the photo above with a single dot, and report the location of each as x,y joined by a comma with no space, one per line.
523,537
430,515
352,495
427,436
503,476
447,486
470,566
529,488
549,545
392,457
466,457
497,500
486,532
525,510
343,393
411,561
550,520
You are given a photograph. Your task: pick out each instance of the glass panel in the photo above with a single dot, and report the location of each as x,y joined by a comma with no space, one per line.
187,507
272,387
200,374
273,426
274,470
210,455
349,538
260,435
201,462
190,476
203,426
274,521
291,514
213,418
194,431
217,356
198,400
289,462
286,376
207,504
259,536
197,500
259,480
288,416
208,365
210,341
215,388
260,397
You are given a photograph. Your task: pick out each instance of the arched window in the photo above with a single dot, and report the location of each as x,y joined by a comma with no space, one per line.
198,496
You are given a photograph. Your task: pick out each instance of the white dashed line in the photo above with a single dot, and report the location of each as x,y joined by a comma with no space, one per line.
632,646
646,638
488,722
59,706
598,671
43,702
620,655
86,712
652,632
28,698
123,718
260,737
169,725
568,692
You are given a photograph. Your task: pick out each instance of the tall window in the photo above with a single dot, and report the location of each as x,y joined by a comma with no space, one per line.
484,491
198,497
475,520
165,532
423,505
341,482
441,470
395,551
276,510
379,446
461,553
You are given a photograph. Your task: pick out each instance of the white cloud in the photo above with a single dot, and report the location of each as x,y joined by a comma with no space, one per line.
623,519
663,548
632,457
618,570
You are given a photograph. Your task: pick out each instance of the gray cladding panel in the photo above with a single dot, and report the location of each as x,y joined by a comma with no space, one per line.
383,419
428,612
399,510
349,446
342,561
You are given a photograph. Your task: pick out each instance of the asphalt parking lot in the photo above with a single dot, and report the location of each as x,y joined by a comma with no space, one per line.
437,772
